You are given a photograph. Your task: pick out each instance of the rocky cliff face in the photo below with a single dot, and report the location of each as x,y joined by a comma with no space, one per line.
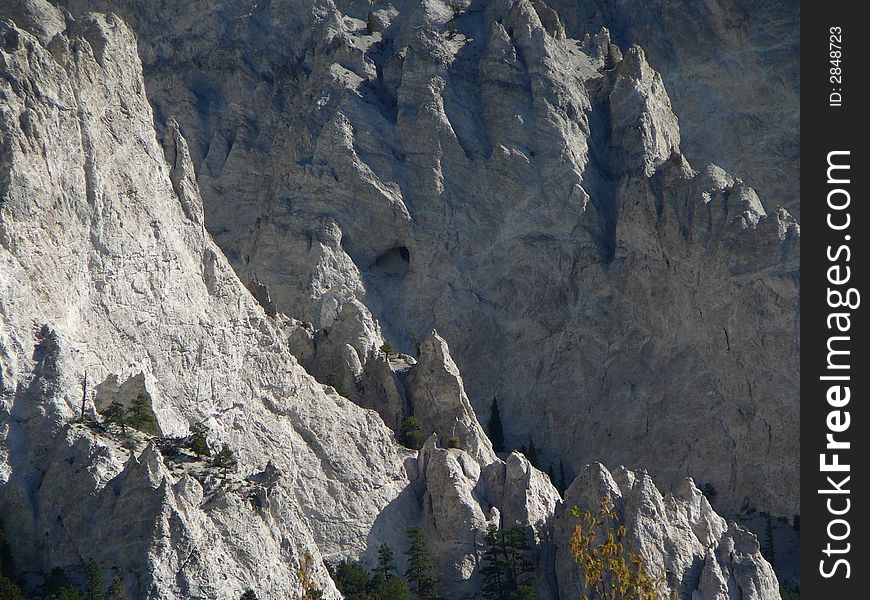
108,276
732,72
468,167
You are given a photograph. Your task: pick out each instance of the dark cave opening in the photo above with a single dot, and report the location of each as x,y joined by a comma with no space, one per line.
395,262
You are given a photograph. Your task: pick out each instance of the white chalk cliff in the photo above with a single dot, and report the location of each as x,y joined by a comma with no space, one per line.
227,208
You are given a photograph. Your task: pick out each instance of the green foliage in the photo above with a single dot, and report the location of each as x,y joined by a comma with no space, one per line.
352,580
372,25
420,573
609,572
334,379
249,595
507,566
789,594
386,563
69,592
387,348
141,417
9,590
224,459
56,581
410,433
116,590
116,414
94,587
496,430
709,491
768,548
454,442
532,453
493,571
198,440
452,30
393,589
356,583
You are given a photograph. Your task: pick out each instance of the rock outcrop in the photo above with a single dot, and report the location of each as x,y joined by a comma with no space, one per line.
438,400
732,71
474,170
470,168
106,273
679,537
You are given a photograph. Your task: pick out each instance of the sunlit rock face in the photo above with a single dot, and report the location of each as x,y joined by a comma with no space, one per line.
227,209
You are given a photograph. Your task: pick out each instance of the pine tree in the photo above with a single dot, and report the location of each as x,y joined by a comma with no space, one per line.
224,459
249,595
493,570
352,580
386,563
116,590
69,592
116,414
533,453
94,588
410,433
507,566
420,572
394,589
141,416
372,24
516,551
198,441
387,348
768,549
9,590
496,430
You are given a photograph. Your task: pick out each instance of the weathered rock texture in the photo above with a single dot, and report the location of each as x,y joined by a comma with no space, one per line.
701,555
732,73
468,167
107,273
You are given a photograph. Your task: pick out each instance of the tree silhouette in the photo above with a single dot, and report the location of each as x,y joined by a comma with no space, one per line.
420,573
496,430
198,441
507,567
94,588
386,562
533,453
141,416
116,590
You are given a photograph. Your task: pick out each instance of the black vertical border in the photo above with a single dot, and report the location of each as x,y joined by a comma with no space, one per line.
826,128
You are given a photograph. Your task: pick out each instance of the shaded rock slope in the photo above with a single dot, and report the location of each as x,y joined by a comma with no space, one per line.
467,167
